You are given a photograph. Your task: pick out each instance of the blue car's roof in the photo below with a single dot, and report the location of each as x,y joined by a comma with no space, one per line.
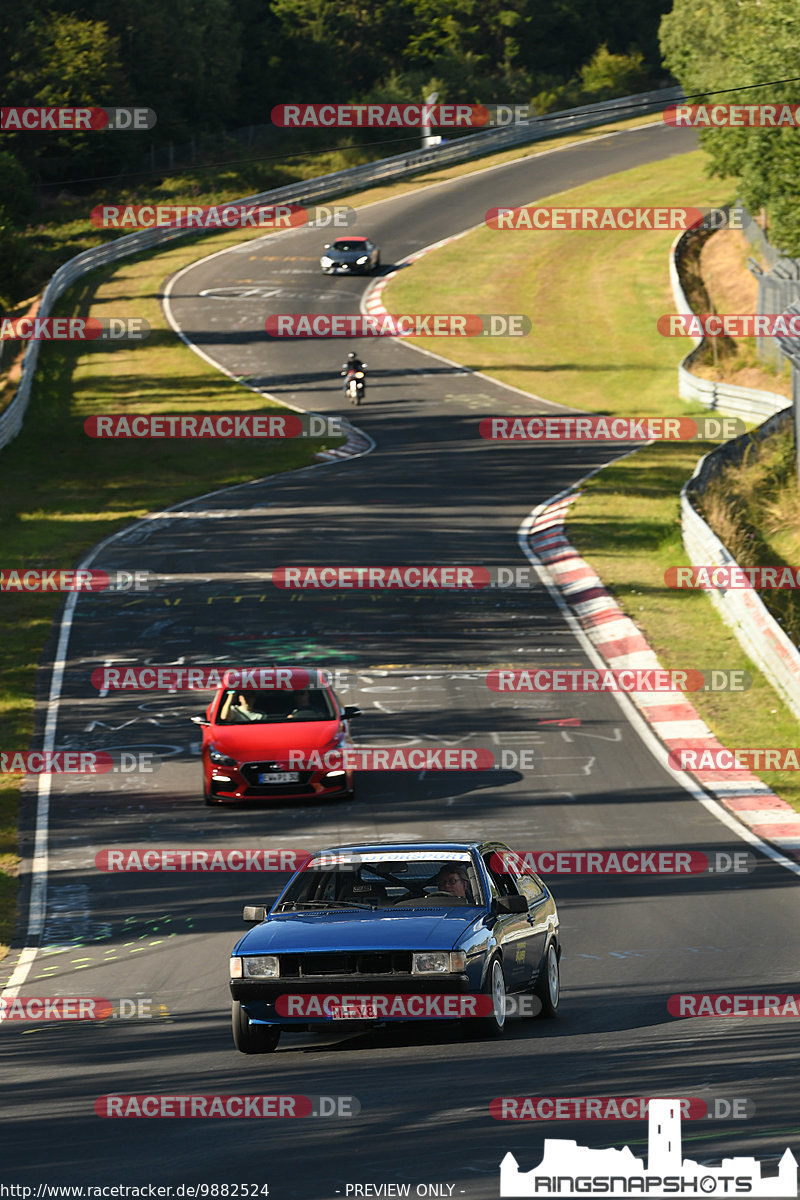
394,847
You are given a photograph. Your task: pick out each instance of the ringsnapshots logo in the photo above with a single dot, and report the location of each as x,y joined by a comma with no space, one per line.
222,426
73,329
569,1170
533,217
610,429
67,119
397,325
222,216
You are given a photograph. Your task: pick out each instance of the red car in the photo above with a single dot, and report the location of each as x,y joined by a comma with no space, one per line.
253,741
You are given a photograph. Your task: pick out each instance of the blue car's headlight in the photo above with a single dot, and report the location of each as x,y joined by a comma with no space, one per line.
360,261
216,756
325,261
438,962
261,966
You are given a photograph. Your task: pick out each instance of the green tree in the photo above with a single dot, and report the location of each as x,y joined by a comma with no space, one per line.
607,75
717,45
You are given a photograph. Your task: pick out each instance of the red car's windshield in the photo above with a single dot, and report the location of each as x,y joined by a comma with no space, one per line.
269,708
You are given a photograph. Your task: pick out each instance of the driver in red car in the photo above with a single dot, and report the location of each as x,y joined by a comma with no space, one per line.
243,710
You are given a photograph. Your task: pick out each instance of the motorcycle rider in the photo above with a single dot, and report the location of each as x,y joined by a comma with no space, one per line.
349,368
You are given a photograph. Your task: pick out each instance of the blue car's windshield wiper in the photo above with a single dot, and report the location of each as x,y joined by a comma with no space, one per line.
325,904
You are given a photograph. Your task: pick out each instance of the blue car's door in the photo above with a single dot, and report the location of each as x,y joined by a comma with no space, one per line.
513,930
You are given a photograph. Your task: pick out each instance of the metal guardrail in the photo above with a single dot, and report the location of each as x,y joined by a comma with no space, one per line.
756,630
385,170
751,404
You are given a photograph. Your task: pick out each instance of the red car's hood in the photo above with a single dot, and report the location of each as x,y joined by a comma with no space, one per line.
244,742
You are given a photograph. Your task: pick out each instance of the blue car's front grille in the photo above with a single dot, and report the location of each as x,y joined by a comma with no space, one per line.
343,962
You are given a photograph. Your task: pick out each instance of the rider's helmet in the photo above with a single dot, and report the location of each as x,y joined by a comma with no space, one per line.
352,355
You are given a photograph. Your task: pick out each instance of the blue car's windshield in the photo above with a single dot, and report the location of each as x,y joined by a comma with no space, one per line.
430,882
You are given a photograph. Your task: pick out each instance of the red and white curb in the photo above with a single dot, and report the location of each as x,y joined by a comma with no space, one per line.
373,304
675,721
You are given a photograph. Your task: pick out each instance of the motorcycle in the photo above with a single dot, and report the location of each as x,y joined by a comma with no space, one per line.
355,386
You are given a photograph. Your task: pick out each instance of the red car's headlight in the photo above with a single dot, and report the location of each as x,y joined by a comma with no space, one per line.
220,759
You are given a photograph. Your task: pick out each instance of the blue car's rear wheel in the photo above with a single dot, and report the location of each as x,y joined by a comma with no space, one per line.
252,1039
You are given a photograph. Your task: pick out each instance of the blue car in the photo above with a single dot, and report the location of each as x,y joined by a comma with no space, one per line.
398,932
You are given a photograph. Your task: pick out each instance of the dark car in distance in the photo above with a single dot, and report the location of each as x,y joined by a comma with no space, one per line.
350,256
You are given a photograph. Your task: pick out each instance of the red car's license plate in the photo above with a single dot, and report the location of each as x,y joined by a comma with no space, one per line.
279,777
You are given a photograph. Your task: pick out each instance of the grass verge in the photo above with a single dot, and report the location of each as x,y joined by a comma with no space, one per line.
594,300
62,492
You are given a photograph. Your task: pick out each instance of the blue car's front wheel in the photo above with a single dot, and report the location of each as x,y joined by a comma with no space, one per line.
252,1039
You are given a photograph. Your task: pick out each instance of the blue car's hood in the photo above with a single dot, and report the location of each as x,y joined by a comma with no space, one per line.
382,929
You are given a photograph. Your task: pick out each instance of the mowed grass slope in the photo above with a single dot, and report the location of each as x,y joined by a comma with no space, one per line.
63,491
594,299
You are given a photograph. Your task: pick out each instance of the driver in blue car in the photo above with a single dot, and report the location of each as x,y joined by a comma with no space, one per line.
454,880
